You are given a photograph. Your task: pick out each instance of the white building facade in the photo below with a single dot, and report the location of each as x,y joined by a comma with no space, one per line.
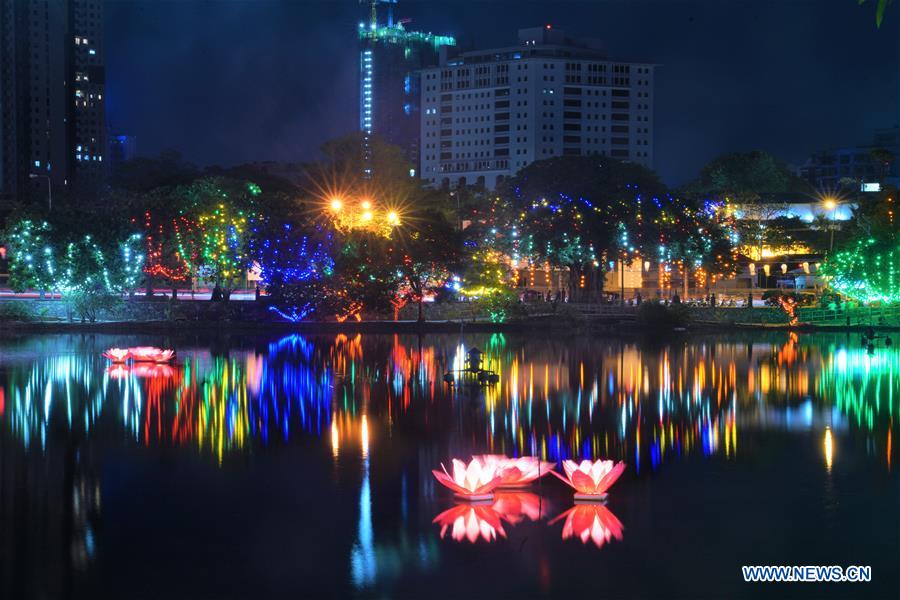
487,114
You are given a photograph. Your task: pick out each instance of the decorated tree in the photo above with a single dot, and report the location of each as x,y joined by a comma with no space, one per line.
293,261
425,253
579,212
224,211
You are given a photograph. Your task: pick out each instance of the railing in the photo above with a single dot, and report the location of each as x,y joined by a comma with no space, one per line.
865,315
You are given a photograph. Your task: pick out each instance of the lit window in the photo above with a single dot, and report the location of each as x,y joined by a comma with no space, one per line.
37,163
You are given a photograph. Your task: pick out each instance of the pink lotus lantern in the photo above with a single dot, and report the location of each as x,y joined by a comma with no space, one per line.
591,479
517,472
151,354
592,522
468,522
472,482
117,355
515,507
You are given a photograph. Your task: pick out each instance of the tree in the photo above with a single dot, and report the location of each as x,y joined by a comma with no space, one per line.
145,174
425,254
580,212
224,211
746,183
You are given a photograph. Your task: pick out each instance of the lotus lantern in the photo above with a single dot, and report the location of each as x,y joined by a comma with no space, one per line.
591,479
517,472
472,482
117,355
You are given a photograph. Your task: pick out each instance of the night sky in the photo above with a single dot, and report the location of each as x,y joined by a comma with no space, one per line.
235,81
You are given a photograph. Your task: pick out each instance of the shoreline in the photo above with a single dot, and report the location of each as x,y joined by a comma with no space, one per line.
598,327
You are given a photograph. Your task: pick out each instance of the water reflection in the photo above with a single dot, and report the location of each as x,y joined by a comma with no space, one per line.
591,522
373,412
557,402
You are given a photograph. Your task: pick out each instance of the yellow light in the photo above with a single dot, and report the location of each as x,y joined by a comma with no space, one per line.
829,448
830,204
367,216
393,218
366,205
336,204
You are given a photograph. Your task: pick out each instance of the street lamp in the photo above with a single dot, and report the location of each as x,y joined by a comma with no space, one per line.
49,188
336,204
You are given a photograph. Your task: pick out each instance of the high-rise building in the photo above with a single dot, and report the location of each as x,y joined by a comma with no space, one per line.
52,124
488,113
390,61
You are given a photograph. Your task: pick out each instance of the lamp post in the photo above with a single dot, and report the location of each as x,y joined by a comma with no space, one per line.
49,188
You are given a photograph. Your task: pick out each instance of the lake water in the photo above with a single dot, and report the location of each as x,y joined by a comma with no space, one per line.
300,466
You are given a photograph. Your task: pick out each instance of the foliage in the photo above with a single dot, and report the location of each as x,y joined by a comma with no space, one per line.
15,311
90,302
65,260
425,256
580,212
654,316
865,269
501,307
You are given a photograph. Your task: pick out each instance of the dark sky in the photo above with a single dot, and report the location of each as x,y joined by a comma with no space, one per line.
235,81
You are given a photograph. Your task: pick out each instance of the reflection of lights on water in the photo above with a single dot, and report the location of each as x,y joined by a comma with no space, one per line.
335,443
364,435
829,448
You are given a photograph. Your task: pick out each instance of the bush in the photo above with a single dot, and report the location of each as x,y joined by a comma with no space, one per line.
653,315
501,307
90,304
15,311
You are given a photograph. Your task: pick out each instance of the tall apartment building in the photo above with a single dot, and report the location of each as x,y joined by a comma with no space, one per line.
390,60
52,124
486,114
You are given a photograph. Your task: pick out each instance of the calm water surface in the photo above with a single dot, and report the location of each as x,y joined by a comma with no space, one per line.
301,466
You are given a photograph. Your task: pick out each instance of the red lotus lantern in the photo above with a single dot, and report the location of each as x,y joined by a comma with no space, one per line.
472,482
117,355
517,472
151,354
591,479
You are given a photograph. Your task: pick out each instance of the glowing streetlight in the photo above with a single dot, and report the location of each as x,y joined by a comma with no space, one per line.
393,218
336,204
367,216
366,205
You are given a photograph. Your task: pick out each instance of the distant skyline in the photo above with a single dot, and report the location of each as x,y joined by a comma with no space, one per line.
230,82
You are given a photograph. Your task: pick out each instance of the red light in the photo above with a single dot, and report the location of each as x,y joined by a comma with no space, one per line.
548,26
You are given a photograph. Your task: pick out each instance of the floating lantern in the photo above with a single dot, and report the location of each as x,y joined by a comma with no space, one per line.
592,522
117,355
516,472
151,354
591,479
471,523
472,482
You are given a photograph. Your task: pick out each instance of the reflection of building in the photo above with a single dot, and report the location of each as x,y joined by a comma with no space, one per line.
51,96
826,169
486,114
390,60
